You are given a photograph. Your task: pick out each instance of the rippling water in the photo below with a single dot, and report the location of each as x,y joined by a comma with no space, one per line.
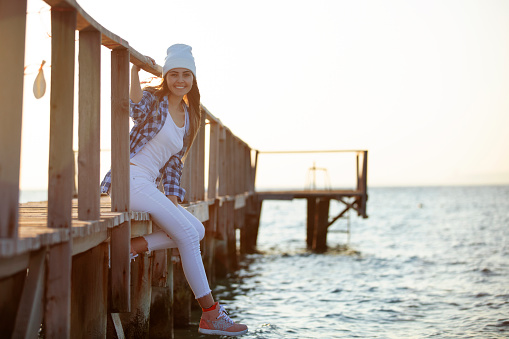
428,263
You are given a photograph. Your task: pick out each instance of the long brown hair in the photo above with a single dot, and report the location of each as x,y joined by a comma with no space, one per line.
192,100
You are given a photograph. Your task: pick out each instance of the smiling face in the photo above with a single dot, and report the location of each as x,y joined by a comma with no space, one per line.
179,81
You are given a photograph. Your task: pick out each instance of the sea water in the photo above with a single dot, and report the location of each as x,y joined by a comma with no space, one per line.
429,262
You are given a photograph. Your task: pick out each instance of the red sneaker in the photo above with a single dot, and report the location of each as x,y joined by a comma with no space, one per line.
218,322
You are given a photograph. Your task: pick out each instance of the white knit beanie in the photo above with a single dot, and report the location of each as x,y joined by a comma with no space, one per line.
179,56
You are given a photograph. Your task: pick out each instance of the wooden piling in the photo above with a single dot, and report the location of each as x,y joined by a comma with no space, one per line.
311,221
12,54
89,299
136,322
161,309
120,237
320,232
182,295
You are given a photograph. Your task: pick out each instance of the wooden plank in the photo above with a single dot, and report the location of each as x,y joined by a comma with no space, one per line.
253,173
199,210
60,173
119,331
221,190
61,156
200,163
120,130
89,125
83,244
14,264
57,311
230,157
121,235
90,293
12,54
30,311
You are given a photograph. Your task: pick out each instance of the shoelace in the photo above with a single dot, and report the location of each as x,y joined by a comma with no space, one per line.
223,314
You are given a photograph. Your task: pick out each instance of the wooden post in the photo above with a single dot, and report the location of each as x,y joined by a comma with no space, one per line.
89,311
12,54
182,295
186,180
89,125
210,242
199,163
253,171
320,238
249,233
231,235
136,323
57,320
161,309
221,159
213,160
364,183
61,156
222,266
120,235
311,222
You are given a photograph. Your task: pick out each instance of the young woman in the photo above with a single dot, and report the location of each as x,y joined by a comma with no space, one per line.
166,120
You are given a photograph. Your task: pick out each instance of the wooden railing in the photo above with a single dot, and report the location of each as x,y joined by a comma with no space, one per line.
49,260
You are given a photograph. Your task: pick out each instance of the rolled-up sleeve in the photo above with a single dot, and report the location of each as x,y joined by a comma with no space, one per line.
171,178
139,111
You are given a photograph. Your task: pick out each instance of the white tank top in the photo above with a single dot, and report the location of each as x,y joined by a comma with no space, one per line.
169,141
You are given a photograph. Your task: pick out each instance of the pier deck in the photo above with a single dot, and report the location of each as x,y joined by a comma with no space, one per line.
318,203
304,194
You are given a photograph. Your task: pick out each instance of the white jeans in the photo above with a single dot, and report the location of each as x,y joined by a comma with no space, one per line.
180,228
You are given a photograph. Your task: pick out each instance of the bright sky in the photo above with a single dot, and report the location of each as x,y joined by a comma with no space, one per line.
422,85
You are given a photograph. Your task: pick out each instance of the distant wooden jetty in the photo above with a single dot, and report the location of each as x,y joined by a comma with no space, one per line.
64,263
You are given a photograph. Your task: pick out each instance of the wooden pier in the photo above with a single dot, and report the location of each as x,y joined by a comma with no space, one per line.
64,264
318,201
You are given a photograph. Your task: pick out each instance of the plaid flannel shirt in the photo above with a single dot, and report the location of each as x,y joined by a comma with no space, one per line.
147,123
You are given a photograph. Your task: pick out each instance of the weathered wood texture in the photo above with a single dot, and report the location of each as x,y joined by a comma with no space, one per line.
120,237
12,56
90,293
61,171
89,124
61,156
161,309
182,295
136,323
30,311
